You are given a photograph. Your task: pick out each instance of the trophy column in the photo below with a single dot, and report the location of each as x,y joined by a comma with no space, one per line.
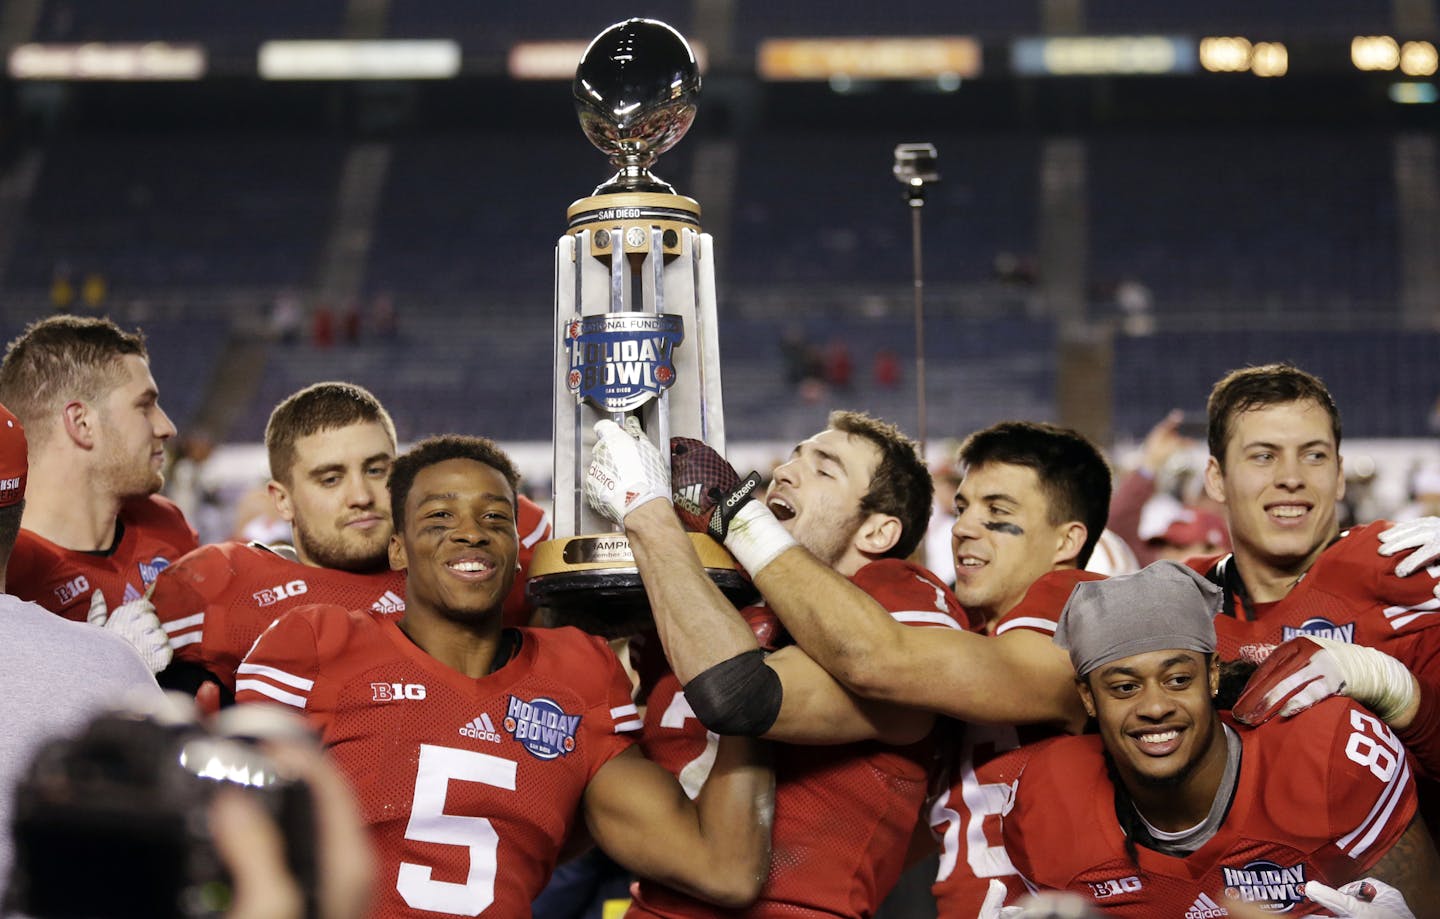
635,323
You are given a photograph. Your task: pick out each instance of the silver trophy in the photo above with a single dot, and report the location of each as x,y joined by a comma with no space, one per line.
634,320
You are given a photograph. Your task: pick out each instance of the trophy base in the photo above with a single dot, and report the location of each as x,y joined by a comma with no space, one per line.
592,583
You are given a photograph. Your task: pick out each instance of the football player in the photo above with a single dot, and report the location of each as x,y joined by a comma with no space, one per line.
1030,508
1173,808
850,776
95,533
475,748
1274,435
330,447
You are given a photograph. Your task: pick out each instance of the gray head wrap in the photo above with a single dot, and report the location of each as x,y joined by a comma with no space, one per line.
1163,606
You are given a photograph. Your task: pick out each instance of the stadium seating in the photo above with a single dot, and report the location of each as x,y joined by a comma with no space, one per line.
1385,382
1247,225
191,213
213,21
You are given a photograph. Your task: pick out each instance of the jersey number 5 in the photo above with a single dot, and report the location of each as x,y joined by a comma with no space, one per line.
429,823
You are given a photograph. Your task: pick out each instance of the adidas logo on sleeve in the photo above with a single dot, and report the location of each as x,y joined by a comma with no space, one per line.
481,728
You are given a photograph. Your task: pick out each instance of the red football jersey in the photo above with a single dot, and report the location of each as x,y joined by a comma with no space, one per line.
965,817
1349,594
217,600
1320,797
843,814
533,524
152,533
469,786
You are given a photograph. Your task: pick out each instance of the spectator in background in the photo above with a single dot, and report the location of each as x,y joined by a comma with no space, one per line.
96,533
62,291
196,494
839,366
350,323
286,316
1154,523
1424,494
383,318
322,326
93,291
886,369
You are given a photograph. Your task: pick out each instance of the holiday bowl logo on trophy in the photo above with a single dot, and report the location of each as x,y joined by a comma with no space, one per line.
634,321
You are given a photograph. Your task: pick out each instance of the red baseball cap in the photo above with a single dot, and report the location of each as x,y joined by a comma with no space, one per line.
1196,527
14,464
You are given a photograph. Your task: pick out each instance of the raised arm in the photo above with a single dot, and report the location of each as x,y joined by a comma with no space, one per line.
710,647
716,848
1020,677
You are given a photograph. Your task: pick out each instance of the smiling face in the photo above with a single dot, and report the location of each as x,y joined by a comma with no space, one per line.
1003,539
459,547
816,496
1156,717
132,431
336,498
1280,483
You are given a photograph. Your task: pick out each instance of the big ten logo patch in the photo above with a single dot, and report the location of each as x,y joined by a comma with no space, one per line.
1116,887
75,587
542,727
394,692
268,596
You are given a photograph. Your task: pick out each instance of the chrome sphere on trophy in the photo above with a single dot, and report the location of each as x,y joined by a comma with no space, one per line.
635,321
635,92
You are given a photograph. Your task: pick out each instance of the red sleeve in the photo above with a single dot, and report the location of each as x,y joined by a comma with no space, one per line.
181,595
533,525
283,664
1411,602
613,710
911,594
1369,787
1039,610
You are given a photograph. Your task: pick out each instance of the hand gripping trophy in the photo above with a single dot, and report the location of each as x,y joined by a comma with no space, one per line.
634,319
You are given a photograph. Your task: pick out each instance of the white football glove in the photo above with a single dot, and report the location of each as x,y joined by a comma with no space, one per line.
1421,534
1307,669
1366,898
626,470
993,907
137,623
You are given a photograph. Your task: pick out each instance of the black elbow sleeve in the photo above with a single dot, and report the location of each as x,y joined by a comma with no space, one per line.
740,696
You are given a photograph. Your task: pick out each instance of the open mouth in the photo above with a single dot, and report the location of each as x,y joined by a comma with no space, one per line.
782,509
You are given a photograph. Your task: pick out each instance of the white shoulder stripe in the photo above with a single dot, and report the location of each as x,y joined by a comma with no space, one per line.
621,711
531,538
1028,622
279,676
625,727
270,692
177,625
180,641
1379,815
925,617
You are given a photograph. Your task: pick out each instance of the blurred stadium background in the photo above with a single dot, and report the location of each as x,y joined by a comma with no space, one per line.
1135,197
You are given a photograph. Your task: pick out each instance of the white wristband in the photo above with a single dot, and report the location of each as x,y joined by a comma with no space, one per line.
756,538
